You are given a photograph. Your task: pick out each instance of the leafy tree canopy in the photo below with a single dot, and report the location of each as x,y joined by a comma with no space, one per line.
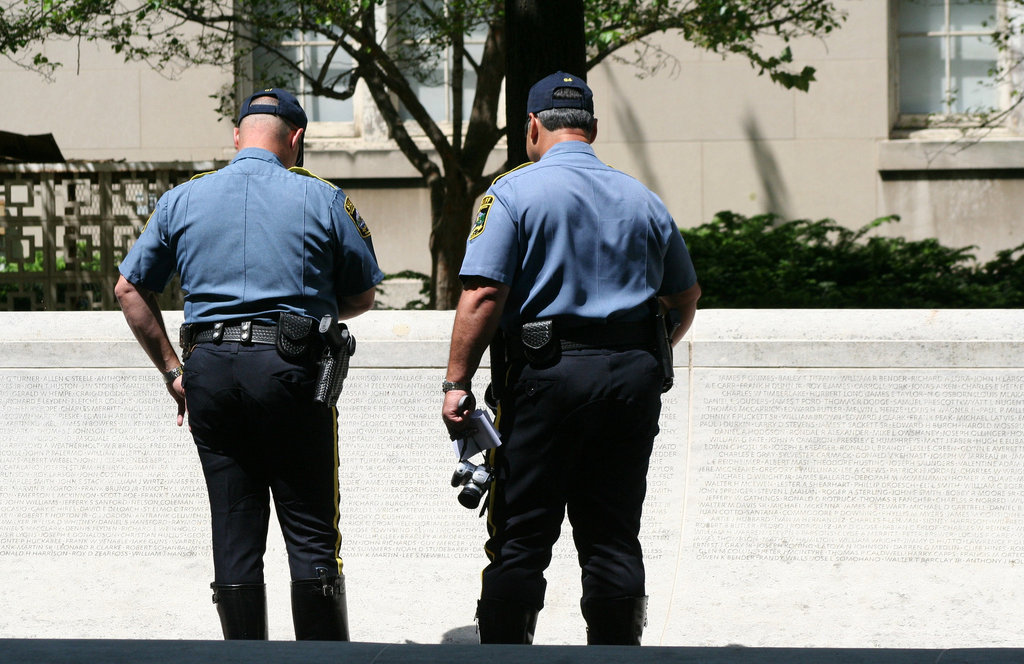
390,45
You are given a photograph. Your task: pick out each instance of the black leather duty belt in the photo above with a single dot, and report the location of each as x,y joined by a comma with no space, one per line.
609,335
246,332
539,340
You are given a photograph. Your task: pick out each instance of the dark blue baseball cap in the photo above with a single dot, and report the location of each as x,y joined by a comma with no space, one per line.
541,97
287,108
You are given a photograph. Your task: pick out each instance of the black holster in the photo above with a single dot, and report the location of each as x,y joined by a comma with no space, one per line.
185,336
664,327
499,367
339,346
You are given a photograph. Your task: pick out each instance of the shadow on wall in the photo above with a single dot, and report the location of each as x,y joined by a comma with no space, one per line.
776,196
465,634
632,131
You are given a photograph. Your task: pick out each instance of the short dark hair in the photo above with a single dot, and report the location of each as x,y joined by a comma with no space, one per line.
567,118
553,119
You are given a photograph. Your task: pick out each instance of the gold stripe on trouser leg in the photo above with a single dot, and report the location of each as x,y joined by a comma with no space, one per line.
337,494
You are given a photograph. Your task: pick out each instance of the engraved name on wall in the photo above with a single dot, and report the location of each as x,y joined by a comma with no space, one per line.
812,465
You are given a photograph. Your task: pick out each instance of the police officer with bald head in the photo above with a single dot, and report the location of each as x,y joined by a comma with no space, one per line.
573,264
265,250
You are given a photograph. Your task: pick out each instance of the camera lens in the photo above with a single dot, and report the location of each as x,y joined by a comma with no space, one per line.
470,496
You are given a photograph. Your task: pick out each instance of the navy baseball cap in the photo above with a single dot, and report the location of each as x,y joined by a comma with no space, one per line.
287,108
541,97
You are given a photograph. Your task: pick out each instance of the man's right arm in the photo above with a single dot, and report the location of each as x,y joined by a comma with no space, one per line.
350,306
685,302
143,314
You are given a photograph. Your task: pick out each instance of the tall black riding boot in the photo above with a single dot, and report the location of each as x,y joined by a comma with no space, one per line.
506,622
319,610
615,622
242,609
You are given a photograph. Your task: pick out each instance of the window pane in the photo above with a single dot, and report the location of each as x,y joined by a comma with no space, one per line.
475,51
972,15
270,71
433,98
922,16
322,109
973,58
922,69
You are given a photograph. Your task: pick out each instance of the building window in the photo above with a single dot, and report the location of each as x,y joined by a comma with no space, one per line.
429,67
422,54
947,57
309,53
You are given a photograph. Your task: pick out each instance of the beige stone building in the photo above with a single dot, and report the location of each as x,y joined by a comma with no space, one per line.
706,133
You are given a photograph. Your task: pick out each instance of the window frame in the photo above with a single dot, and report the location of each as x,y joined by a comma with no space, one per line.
947,118
364,111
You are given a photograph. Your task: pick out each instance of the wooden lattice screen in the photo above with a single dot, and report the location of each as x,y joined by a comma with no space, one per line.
65,228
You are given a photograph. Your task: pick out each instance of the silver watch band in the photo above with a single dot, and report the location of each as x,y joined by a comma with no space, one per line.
169,376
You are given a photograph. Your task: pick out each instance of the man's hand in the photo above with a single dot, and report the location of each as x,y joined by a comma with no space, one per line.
177,392
456,418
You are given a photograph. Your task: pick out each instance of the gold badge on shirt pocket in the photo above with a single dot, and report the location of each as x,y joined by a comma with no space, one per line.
481,217
357,219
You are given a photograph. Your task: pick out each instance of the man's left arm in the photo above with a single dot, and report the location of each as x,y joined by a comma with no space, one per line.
143,314
476,320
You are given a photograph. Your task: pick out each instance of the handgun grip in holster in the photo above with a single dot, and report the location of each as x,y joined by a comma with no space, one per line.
665,326
339,346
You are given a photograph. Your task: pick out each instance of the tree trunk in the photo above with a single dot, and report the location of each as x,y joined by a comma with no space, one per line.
451,210
542,37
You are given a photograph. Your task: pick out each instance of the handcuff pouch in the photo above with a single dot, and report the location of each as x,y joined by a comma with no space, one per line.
294,335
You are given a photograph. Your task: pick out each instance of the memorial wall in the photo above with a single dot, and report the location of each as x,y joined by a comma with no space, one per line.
822,478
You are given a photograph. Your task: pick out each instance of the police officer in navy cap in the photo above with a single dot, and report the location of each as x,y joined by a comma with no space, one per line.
576,266
264,250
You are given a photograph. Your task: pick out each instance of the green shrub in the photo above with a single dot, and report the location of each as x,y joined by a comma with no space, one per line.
761,262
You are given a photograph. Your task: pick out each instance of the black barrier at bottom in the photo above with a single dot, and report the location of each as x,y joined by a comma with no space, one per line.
75,651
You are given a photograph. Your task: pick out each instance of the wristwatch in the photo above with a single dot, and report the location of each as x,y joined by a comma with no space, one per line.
169,376
449,385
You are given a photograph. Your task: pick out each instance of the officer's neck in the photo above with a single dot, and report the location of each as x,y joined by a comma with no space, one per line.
548,139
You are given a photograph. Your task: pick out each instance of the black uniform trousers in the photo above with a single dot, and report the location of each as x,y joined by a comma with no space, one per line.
577,437
258,433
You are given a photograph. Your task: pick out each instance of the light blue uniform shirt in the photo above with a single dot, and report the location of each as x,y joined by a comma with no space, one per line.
575,238
253,239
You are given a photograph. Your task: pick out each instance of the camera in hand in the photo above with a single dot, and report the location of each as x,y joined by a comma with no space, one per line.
478,437
475,481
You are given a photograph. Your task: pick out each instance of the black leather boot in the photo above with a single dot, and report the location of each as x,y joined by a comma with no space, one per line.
319,610
506,622
615,622
242,609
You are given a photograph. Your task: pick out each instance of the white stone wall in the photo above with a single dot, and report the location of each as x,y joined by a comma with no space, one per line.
823,479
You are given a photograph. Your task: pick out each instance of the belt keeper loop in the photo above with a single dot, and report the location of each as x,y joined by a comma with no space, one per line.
218,331
246,335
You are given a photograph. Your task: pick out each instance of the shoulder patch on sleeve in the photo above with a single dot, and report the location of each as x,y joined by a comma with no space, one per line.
310,174
481,217
357,219
511,171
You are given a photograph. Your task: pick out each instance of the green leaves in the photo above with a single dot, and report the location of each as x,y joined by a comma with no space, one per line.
752,29
762,262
